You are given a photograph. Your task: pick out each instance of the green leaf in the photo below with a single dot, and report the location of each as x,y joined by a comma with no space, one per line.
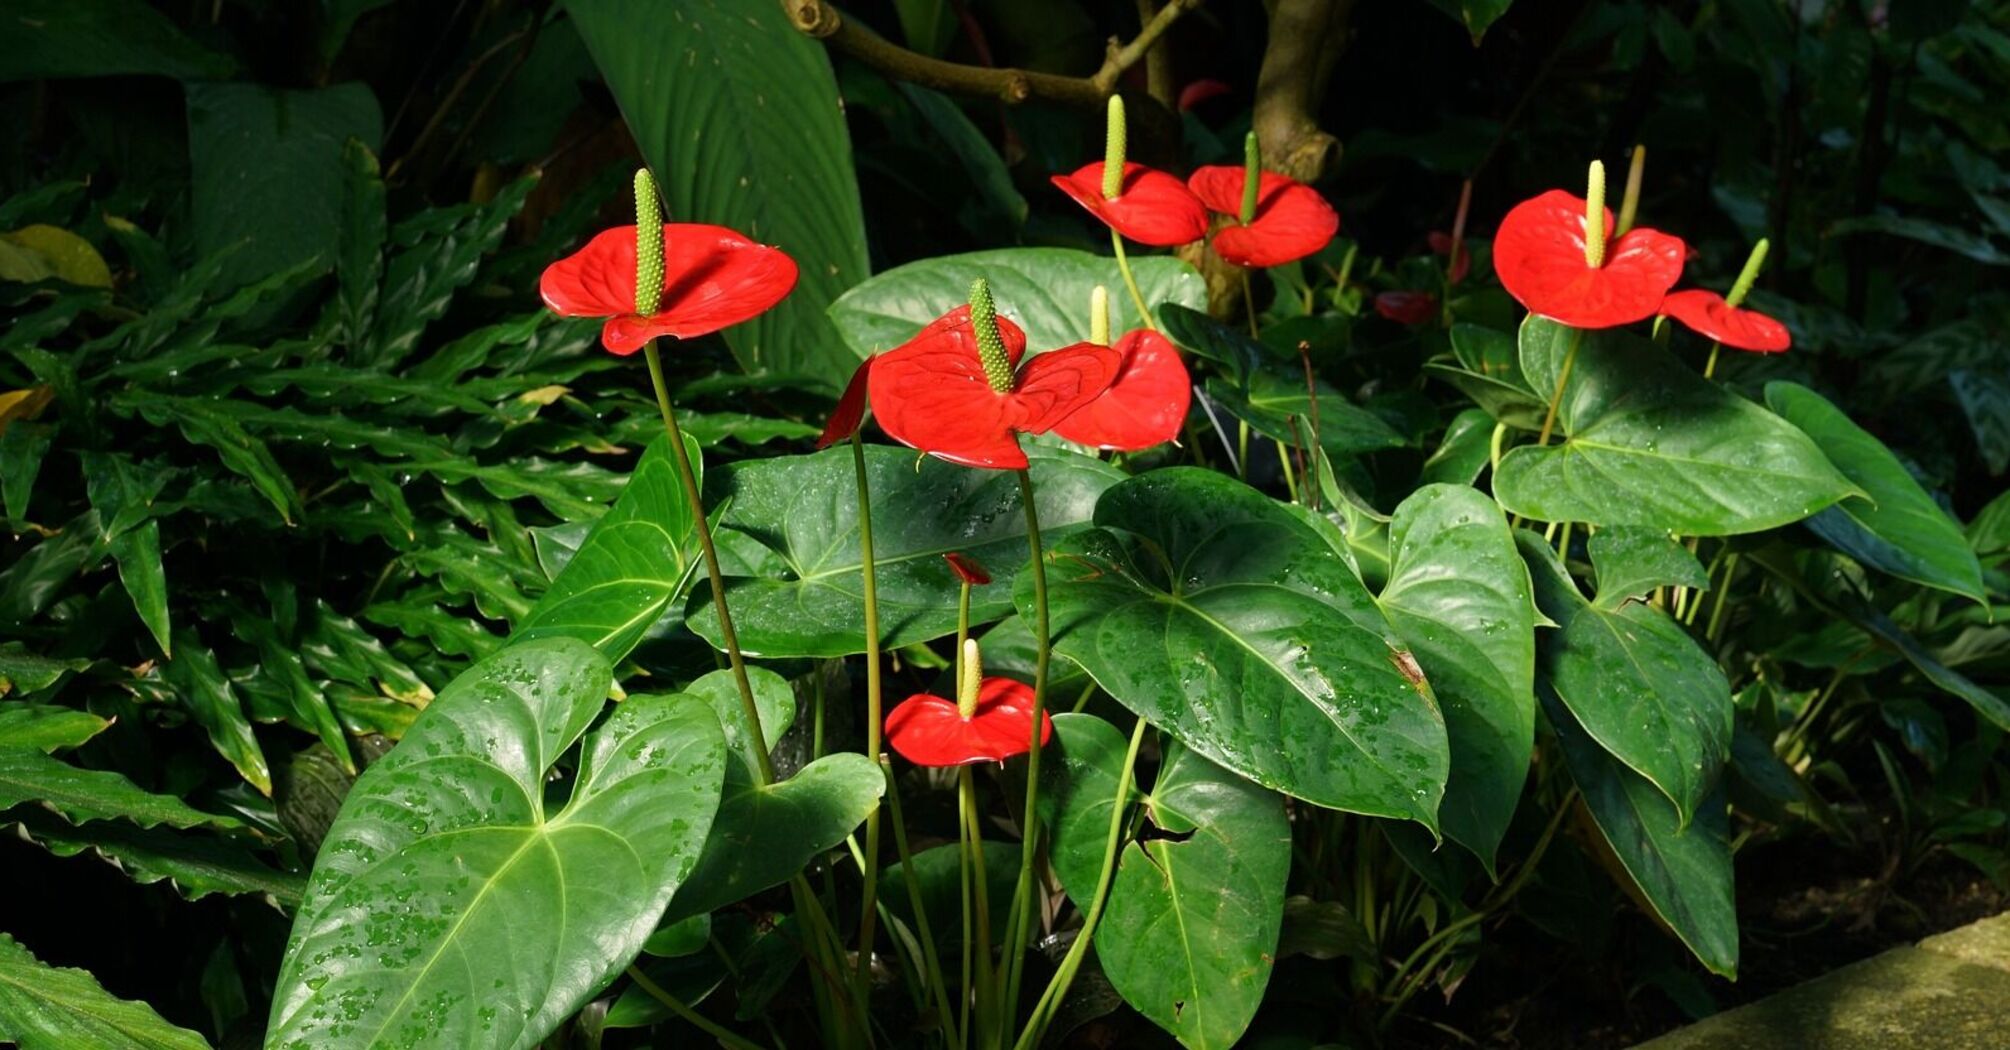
988,176
26,672
938,871
1683,872
196,865
1045,290
1190,930
928,25
1895,526
804,510
266,171
449,906
631,567
213,701
1633,561
1463,452
28,775
1488,370
1960,241
1459,594
207,422
138,554
22,448
440,252
36,578
1988,532
738,115
1475,15
1985,400
1635,680
764,835
1648,442
1278,407
1230,623
47,39
359,241
47,727
1206,337
46,1008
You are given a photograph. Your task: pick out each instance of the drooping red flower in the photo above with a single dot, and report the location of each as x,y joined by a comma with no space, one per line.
1151,206
967,569
712,278
928,730
850,410
1145,404
1292,220
1706,313
1539,255
1407,307
1200,91
931,392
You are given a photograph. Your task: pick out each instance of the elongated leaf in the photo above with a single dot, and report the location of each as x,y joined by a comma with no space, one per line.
804,509
1206,607
1463,451
1636,682
1966,242
100,38
22,448
1684,872
1274,401
1046,290
22,671
738,115
1190,930
1985,399
1647,442
138,554
207,423
1487,367
1895,526
213,701
1206,337
43,1007
1459,594
633,565
47,727
28,775
450,906
440,253
196,865
1632,561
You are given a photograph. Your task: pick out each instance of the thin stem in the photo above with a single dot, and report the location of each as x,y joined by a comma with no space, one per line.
1562,379
696,1019
1030,839
938,983
1249,306
1710,369
870,892
973,846
1290,478
1131,282
1710,633
764,767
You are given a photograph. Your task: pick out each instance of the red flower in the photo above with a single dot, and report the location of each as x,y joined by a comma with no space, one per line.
1407,307
1462,263
932,393
1200,91
929,731
1152,207
967,569
712,278
1292,220
1539,254
850,411
1707,313
1145,404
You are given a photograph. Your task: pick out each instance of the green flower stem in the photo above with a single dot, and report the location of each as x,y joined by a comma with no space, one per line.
1629,202
1057,989
978,904
1710,368
870,869
696,1019
1562,379
1022,910
1130,281
938,985
1711,632
763,766
1290,477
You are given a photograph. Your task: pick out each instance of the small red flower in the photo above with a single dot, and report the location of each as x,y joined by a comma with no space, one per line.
929,731
931,392
1461,263
1200,91
1539,255
712,278
1145,404
1152,207
967,569
1707,313
850,411
1292,220
1407,307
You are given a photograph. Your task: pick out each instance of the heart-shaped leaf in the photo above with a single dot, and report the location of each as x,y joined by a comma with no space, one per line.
804,509
1463,452
450,907
1224,618
1459,594
1487,368
1648,442
1190,929
1632,561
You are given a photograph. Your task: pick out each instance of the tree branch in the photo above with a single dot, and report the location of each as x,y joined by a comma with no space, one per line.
1303,36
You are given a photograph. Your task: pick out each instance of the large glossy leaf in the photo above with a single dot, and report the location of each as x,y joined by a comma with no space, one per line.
100,38
44,1007
1648,442
450,906
804,509
633,565
1228,621
1682,868
1046,290
1190,930
1895,526
1279,407
738,115
1632,561
1639,685
764,835
1459,594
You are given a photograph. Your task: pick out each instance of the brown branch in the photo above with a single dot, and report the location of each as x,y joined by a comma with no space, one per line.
1304,35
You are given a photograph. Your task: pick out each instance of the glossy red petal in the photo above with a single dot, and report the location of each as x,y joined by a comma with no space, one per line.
1146,403
1707,313
1054,385
1407,307
1292,219
956,325
931,394
967,569
850,411
1154,208
1539,256
712,278
928,730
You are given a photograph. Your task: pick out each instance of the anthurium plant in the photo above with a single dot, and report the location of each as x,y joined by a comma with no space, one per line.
1196,631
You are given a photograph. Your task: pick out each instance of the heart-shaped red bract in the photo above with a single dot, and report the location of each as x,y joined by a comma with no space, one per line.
850,411
712,278
1539,256
1153,208
931,392
1292,220
1706,313
1407,307
1145,404
928,730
